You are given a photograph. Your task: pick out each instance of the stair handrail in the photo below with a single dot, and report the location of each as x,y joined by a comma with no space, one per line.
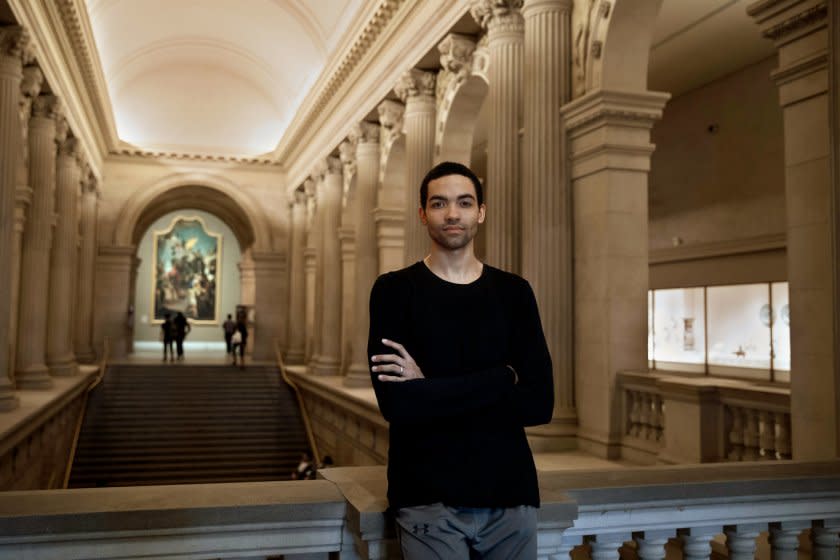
310,435
103,365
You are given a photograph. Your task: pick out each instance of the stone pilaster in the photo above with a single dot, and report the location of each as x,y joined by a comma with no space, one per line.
248,291
61,358
367,261
296,345
317,175
30,87
505,36
12,40
310,263
87,270
347,241
329,358
115,266
609,150
417,90
801,31
546,202
32,371
269,304
388,214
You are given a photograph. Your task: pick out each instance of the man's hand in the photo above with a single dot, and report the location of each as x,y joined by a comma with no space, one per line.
401,365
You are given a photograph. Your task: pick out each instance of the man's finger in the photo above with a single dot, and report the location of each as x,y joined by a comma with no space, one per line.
390,378
385,358
396,368
396,346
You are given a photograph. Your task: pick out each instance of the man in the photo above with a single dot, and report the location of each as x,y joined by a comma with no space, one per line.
229,328
182,329
167,335
460,366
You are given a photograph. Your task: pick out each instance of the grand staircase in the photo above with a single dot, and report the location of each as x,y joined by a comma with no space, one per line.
179,424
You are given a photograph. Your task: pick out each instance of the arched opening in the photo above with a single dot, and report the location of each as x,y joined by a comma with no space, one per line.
391,201
192,255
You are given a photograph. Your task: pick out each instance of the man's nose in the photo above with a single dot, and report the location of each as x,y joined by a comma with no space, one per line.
452,212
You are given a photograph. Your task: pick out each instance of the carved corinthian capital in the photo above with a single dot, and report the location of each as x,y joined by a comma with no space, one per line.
13,41
317,173
365,133
334,165
47,106
300,197
70,147
391,115
491,14
415,82
456,53
62,130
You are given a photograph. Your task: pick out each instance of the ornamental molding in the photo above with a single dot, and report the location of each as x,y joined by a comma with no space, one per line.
626,108
139,153
391,115
456,57
590,22
790,25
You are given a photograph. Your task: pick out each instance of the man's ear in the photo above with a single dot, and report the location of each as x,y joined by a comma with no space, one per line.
422,214
482,213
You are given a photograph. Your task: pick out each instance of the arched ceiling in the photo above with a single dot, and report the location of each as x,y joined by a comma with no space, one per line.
218,77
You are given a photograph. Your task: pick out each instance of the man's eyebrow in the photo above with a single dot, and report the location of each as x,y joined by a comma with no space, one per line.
459,197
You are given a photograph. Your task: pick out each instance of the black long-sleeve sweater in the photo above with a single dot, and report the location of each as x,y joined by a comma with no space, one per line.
458,435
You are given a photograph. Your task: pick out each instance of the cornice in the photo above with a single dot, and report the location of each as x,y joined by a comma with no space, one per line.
709,250
642,108
782,18
139,153
413,29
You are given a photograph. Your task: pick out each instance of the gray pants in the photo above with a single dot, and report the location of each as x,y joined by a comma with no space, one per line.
442,532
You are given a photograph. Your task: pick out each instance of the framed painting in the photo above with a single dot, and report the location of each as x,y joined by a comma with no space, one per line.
186,262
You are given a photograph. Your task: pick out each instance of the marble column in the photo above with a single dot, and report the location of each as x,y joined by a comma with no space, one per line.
801,32
87,270
310,264
317,176
12,41
609,155
505,42
30,88
269,304
329,358
390,200
417,90
61,358
347,241
296,346
367,260
546,203
32,371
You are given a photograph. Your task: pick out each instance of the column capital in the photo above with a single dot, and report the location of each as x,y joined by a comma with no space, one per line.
33,80
71,147
47,107
318,171
309,187
415,82
497,15
14,40
365,133
300,197
456,53
333,166
391,114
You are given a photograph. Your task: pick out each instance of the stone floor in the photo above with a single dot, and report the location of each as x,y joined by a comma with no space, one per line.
204,353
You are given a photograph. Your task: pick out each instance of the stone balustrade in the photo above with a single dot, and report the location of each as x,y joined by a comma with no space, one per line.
712,419
343,515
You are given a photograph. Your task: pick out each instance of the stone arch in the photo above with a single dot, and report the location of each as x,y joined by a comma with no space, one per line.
612,45
212,194
392,174
457,119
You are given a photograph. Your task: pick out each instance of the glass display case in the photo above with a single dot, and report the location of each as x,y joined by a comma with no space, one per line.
678,329
738,330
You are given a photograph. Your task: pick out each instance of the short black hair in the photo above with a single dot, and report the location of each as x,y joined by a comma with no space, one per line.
450,168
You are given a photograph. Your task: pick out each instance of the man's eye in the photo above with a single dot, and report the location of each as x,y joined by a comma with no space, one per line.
437,204
466,203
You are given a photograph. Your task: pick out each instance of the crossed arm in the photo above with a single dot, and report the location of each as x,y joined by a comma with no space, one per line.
520,391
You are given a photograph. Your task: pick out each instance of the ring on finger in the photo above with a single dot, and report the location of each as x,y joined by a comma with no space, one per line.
402,370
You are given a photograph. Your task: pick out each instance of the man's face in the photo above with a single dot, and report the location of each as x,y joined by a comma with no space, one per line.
452,213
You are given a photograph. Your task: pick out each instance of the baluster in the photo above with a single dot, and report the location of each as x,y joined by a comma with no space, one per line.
567,543
605,546
740,540
634,412
751,435
736,434
697,542
644,417
659,424
784,539
767,435
825,536
782,443
651,544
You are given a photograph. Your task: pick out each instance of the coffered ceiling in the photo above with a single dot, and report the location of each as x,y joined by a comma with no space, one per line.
217,77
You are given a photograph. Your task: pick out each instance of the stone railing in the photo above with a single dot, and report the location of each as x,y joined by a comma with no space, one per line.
711,419
343,516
